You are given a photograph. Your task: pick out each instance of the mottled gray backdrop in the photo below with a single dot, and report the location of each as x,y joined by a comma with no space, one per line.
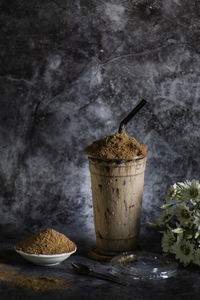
70,71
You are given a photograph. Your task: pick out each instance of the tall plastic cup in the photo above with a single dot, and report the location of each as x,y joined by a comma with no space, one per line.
117,188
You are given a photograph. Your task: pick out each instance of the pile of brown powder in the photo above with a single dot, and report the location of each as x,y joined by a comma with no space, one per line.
117,146
47,241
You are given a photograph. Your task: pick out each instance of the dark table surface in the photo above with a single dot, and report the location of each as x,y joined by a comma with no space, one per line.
184,285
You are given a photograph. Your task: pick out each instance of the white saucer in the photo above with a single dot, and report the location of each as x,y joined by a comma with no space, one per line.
45,260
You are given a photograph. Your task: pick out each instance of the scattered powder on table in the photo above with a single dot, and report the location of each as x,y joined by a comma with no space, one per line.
40,283
32,282
37,283
117,146
47,241
7,275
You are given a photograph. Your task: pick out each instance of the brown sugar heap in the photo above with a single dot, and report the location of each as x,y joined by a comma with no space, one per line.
47,241
117,146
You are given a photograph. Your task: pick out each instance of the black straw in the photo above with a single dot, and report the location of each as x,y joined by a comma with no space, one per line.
131,114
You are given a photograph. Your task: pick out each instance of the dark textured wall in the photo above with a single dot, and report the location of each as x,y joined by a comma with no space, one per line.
70,70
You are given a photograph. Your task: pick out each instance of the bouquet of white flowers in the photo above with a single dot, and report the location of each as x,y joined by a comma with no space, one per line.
179,222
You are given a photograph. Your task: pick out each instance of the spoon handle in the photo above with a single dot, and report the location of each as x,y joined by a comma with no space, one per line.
108,277
103,276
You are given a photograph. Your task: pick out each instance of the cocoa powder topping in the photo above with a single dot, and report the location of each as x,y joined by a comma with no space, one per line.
117,146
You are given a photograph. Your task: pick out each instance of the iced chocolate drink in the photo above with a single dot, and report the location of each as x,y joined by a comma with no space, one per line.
117,165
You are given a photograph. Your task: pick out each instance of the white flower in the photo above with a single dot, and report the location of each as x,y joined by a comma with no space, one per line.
184,215
184,251
179,185
191,191
180,222
196,259
165,216
197,219
168,241
171,193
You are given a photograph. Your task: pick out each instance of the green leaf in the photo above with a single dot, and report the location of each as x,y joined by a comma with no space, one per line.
180,185
193,203
166,205
189,236
178,196
197,234
152,224
168,226
178,230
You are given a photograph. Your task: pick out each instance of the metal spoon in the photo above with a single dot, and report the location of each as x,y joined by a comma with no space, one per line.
85,270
